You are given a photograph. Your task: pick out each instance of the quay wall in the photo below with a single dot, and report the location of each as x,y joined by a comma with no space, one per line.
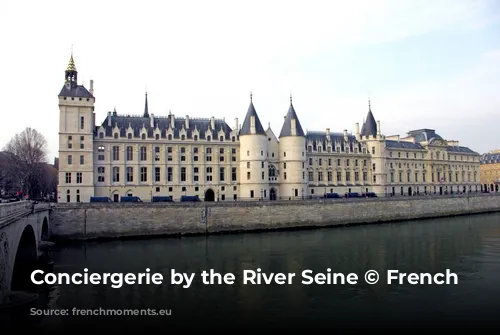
112,220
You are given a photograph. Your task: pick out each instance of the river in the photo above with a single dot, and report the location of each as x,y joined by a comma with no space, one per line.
467,245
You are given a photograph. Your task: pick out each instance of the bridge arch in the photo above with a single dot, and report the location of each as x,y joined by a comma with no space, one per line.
45,235
25,259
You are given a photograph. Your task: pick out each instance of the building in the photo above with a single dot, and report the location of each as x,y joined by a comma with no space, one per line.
148,155
490,171
420,163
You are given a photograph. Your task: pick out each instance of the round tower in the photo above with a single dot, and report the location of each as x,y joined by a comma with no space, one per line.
292,155
254,179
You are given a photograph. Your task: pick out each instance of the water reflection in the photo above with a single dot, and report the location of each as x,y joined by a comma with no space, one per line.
468,246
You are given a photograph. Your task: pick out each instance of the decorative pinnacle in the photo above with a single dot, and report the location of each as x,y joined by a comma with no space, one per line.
290,98
251,95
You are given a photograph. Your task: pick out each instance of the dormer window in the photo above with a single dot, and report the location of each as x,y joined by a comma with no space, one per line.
195,137
143,136
183,137
170,137
208,138
221,138
101,135
157,137
115,135
129,136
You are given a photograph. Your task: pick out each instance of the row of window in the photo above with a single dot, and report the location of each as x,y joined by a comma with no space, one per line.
170,137
438,156
143,153
338,149
329,175
329,162
143,175
440,177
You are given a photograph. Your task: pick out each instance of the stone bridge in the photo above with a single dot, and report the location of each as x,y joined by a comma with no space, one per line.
23,225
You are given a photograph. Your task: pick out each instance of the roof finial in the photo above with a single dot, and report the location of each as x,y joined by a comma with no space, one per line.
369,105
290,98
251,95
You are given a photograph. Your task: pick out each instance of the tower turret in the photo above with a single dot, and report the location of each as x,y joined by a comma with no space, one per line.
254,174
292,156
369,127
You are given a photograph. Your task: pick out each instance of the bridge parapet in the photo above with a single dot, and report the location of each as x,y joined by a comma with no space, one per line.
14,210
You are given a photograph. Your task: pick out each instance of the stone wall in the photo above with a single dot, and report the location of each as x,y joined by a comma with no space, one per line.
87,221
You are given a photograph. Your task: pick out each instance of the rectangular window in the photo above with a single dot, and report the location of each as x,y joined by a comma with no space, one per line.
82,122
320,176
68,178
170,172
82,160
157,154
233,174
144,174
209,174
339,176
70,144
116,174
116,153
183,174
130,153
130,174
311,176
251,193
82,145
158,171
221,174
248,175
330,176
79,178
144,155
70,159
365,176
348,176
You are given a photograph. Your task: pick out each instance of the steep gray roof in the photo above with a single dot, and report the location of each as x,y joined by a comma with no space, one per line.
369,126
424,135
459,149
286,130
163,123
403,145
490,158
320,138
78,91
245,128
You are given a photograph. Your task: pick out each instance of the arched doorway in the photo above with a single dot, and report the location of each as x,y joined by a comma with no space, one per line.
209,195
25,261
272,194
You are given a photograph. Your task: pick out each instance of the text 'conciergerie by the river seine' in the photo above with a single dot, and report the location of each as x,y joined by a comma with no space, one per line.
248,277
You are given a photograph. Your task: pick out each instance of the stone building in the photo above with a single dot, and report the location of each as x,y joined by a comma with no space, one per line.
420,163
149,155
490,171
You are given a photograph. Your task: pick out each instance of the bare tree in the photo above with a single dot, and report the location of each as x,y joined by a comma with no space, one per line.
27,155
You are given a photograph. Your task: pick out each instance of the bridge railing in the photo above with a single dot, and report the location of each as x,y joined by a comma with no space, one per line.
13,210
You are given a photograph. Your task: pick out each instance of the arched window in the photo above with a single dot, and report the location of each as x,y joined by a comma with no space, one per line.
183,137
170,137
143,136
129,136
157,136
195,137
116,135
208,138
221,138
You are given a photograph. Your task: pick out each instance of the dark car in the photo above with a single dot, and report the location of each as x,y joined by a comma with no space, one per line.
353,195
332,196
130,199
190,198
100,199
162,199
370,195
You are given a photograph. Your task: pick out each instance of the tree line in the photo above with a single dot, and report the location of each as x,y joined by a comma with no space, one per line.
24,170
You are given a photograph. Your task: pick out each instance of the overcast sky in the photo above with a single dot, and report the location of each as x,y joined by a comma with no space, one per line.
424,64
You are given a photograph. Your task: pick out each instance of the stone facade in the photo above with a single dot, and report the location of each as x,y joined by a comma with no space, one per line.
84,221
490,171
148,155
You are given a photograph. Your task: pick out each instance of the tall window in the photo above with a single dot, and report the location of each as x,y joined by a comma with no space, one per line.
157,174
116,153
144,174
82,122
70,159
68,177
221,174
157,154
82,144
183,174
209,174
79,178
130,174
82,160
130,153
116,174
170,172
233,174
143,154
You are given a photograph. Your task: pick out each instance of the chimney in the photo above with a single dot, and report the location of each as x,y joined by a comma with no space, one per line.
172,121
345,134
212,123
357,129
152,120
327,132
109,119
236,124
91,87
187,122
378,128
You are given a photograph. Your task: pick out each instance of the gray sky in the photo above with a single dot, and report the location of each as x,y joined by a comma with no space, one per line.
424,64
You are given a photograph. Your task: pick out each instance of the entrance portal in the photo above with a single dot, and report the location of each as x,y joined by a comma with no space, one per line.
209,195
272,194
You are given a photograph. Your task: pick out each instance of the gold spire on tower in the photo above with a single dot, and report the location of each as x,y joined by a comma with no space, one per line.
71,64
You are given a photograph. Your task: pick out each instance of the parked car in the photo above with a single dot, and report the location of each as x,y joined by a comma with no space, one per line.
162,199
190,198
332,196
100,199
353,195
370,195
130,199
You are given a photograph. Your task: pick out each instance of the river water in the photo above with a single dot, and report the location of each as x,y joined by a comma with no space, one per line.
468,246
